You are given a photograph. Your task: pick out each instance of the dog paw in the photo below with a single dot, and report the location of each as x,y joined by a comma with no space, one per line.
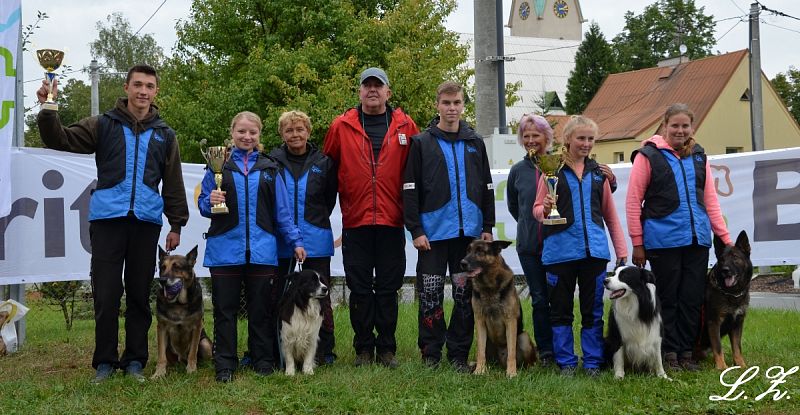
290,372
191,368
479,370
159,373
511,375
308,371
721,366
619,376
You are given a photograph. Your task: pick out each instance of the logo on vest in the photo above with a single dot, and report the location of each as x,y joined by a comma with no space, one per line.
472,149
158,138
315,169
267,177
698,157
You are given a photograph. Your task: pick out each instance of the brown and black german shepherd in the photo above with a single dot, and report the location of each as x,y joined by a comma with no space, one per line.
727,299
495,303
179,310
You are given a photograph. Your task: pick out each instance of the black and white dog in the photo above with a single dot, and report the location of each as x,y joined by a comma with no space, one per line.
634,327
301,318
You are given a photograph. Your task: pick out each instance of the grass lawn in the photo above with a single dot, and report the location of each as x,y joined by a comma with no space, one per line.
50,376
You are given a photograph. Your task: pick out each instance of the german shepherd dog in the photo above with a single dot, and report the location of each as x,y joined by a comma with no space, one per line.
727,299
495,303
179,310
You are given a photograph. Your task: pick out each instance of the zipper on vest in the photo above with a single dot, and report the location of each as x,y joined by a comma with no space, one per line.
247,213
688,198
583,215
296,197
135,168
458,190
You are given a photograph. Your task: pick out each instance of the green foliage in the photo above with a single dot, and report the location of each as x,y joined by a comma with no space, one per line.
119,48
658,32
272,56
594,61
62,294
788,87
29,29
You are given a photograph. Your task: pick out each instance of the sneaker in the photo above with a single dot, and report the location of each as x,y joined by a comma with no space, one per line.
325,360
103,372
363,359
688,364
224,376
431,362
134,370
568,371
388,359
592,372
671,362
462,366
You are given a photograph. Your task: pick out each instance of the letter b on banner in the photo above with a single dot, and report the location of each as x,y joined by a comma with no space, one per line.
775,183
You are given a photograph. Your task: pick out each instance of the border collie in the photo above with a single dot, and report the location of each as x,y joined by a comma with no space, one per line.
634,326
301,318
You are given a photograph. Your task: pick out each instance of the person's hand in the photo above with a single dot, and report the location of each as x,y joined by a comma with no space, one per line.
548,203
41,93
621,261
216,197
608,173
639,258
300,254
421,243
173,240
487,236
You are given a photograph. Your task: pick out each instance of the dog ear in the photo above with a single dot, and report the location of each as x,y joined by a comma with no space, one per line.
719,247
647,276
161,254
192,256
743,243
500,245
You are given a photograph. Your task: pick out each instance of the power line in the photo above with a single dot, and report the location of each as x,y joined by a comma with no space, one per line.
542,50
737,6
781,27
776,12
148,19
729,30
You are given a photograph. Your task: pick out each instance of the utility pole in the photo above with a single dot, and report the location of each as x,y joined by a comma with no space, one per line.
756,105
486,114
501,69
94,69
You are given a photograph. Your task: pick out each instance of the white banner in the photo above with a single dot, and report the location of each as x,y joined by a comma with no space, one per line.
46,238
10,16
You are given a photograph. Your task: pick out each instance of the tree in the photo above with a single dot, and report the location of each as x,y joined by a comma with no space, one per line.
302,55
116,49
593,62
658,32
788,87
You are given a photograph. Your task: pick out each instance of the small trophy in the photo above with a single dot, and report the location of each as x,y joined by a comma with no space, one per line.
550,164
215,157
50,60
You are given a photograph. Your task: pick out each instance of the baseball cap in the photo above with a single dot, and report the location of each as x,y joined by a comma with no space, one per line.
374,73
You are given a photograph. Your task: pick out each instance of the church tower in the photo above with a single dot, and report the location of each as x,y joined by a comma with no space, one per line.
552,19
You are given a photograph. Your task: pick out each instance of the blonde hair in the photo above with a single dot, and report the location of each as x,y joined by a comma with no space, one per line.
675,109
252,117
290,117
575,122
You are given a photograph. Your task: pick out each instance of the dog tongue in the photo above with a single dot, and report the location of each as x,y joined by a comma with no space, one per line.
616,294
730,281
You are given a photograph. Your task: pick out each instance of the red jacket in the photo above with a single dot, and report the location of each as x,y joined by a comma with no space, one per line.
370,193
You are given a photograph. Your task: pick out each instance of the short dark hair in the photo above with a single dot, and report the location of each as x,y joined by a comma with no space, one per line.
145,69
448,87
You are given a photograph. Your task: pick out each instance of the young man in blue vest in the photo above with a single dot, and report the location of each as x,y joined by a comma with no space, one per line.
448,201
135,152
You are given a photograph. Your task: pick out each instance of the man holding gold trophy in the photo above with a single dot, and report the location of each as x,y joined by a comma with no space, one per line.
135,150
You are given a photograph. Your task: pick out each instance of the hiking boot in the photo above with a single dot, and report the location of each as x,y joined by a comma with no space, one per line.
265,370
688,364
461,366
224,376
364,359
134,370
546,359
325,360
568,371
592,372
431,362
671,362
388,359
103,372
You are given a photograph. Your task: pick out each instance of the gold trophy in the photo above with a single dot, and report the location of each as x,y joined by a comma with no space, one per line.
50,60
215,157
550,164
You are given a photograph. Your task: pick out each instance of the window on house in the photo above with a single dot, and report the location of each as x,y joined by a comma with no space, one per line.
733,150
745,95
619,157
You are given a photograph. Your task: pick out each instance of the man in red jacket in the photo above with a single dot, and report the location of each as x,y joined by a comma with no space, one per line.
369,144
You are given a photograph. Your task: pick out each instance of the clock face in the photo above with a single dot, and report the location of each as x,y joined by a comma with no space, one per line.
560,8
524,10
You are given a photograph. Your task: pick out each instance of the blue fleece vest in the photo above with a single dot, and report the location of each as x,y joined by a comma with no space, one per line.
131,194
689,218
318,241
459,212
584,235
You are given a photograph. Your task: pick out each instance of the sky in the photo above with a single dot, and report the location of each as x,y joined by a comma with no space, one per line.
71,26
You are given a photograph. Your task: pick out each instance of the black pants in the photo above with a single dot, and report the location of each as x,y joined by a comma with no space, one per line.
262,290
681,285
327,341
433,333
118,243
373,299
